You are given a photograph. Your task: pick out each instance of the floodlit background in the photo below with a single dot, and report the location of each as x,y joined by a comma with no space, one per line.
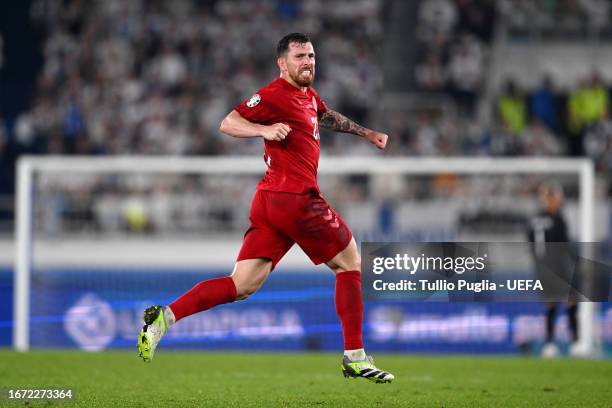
443,78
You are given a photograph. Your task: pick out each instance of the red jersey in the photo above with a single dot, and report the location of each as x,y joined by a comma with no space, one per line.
293,162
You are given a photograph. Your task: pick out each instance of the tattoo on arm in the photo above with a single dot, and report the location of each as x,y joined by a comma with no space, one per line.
336,121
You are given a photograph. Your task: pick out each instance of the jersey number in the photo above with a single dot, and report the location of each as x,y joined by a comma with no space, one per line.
315,131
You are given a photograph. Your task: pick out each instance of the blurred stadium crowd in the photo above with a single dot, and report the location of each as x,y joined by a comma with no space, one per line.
455,40
157,77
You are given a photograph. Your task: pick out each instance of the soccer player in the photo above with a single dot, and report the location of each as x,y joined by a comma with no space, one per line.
549,226
287,207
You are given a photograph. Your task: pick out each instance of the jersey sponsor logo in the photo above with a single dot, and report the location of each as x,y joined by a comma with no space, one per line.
255,99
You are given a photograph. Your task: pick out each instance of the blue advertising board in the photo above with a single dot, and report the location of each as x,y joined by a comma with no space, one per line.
96,309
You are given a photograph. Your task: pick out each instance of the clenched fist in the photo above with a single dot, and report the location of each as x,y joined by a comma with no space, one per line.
377,139
276,132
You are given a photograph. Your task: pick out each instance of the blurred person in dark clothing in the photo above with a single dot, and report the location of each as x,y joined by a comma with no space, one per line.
478,17
548,226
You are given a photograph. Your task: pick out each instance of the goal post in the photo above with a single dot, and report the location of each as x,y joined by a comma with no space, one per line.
29,167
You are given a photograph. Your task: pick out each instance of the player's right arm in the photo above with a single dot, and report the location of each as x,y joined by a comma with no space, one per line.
236,125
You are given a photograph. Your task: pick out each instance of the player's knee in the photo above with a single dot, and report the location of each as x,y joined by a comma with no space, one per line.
354,264
249,275
245,290
346,260
348,266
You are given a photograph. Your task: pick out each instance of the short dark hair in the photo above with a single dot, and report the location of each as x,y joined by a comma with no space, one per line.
283,44
550,188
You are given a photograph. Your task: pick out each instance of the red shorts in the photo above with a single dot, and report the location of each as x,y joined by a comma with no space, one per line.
278,220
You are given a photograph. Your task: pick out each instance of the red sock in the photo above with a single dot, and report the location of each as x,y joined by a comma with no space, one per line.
349,307
203,296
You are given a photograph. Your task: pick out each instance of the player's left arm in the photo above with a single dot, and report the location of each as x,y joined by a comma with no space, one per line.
338,122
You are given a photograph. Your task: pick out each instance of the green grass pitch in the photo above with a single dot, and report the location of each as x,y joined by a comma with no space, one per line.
190,379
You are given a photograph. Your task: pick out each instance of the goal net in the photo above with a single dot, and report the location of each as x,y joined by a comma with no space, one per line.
100,238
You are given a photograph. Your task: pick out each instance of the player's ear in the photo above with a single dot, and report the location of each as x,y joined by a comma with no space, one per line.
280,61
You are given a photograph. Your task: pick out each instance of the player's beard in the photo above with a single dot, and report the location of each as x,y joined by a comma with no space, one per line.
301,80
